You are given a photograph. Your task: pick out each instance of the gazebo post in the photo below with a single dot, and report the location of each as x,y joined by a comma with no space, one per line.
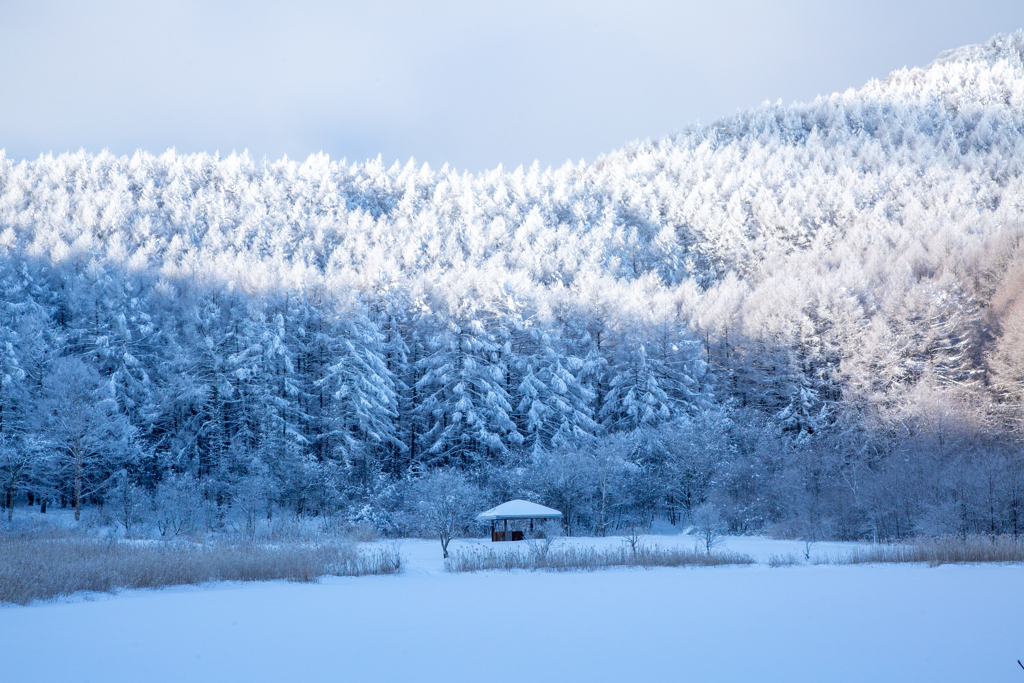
506,529
492,530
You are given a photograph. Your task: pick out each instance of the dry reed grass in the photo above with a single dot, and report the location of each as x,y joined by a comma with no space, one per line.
574,558
56,564
787,560
939,551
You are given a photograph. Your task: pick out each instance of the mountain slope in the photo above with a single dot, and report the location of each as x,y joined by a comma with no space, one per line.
839,277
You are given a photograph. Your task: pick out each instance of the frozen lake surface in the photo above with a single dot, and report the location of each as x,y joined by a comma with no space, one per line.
748,623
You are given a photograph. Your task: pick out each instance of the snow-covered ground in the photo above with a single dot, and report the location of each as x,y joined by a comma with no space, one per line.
744,623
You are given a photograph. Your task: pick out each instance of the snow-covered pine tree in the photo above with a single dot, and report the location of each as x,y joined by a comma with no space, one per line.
465,405
364,401
553,399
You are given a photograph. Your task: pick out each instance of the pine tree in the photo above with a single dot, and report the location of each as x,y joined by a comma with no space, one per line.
637,396
464,404
553,399
364,400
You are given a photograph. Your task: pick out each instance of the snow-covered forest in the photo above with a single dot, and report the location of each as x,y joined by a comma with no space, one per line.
808,316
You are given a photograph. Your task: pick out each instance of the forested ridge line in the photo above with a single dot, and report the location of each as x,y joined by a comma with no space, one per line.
808,316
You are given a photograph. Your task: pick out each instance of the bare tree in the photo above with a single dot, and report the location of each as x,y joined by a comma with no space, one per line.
178,505
708,526
634,539
128,503
16,465
83,427
251,501
545,535
564,477
446,505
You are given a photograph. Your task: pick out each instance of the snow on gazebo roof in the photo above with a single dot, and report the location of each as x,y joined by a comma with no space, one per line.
520,509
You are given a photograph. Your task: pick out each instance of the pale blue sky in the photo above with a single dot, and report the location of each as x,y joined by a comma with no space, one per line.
471,83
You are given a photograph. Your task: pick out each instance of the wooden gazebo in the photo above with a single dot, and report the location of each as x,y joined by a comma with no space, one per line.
518,512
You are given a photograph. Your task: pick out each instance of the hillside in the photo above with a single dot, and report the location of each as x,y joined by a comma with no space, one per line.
807,315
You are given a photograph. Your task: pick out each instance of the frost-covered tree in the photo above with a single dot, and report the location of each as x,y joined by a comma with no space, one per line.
446,504
464,403
363,398
554,397
825,294
87,436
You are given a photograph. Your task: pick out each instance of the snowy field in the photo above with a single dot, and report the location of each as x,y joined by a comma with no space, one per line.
748,623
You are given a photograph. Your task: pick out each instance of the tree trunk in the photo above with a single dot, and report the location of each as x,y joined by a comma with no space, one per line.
78,491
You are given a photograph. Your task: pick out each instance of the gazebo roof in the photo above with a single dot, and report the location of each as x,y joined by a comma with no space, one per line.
519,509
